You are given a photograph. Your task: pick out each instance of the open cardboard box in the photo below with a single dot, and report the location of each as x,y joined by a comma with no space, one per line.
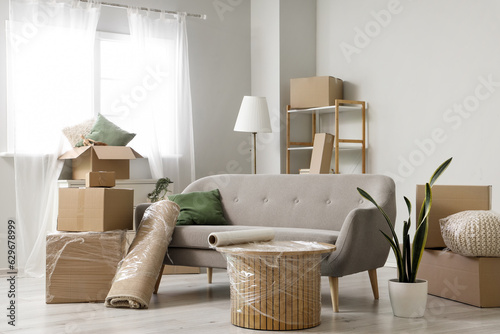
448,200
470,280
101,158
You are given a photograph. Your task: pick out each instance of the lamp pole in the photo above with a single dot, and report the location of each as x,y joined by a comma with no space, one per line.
254,134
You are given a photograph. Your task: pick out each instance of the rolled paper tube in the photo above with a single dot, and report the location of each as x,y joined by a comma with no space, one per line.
217,239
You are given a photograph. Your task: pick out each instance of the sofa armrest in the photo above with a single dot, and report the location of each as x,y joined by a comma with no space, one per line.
139,212
360,245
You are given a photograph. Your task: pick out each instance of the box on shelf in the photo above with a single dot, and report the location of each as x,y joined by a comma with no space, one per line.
95,209
470,280
101,158
450,199
321,154
80,266
315,91
100,179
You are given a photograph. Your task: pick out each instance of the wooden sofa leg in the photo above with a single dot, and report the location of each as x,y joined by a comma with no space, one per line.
334,292
209,275
373,280
158,280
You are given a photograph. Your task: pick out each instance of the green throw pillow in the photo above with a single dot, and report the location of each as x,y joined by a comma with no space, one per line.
200,208
109,133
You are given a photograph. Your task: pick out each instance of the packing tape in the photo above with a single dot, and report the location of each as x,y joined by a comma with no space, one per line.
80,211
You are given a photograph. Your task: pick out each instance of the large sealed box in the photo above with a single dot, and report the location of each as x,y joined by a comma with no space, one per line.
101,158
80,266
322,153
448,200
315,91
470,280
95,209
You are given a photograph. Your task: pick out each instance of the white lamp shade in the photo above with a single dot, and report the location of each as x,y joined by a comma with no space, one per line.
253,115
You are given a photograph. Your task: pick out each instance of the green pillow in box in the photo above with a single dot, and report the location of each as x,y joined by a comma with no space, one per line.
108,132
200,208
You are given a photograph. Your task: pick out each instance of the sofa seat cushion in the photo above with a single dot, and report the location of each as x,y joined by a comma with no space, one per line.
196,236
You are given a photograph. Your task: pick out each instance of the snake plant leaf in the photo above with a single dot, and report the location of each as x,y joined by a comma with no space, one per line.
418,248
397,253
406,253
424,211
387,219
408,205
426,207
407,246
420,238
439,171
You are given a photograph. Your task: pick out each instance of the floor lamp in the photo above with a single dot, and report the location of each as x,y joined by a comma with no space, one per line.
253,117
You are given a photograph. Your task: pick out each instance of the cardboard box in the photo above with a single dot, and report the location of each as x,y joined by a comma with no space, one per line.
447,200
101,158
100,179
80,266
95,209
470,280
321,157
315,92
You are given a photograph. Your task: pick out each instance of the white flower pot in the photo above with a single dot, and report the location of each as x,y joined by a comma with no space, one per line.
408,300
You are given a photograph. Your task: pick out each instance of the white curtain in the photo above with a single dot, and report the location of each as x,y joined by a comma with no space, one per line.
50,86
162,116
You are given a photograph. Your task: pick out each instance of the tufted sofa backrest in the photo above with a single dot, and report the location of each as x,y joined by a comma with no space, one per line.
320,201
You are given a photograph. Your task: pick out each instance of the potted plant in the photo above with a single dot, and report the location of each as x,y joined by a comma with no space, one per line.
408,294
160,190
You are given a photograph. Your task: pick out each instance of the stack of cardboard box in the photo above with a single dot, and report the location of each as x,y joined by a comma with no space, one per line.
83,256
470,280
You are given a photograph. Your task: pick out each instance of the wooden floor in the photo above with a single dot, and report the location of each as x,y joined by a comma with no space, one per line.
187,304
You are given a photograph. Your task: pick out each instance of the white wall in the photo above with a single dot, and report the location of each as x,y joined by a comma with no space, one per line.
283,47
219,50
430,72
265,75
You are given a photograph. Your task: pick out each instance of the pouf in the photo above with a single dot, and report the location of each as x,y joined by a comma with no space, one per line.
472,233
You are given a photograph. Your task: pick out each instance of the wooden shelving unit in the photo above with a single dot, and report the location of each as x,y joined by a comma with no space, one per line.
340,143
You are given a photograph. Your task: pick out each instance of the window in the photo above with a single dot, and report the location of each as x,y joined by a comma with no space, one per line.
126,83
114,72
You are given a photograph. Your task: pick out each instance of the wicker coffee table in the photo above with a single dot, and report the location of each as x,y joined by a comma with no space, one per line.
275,285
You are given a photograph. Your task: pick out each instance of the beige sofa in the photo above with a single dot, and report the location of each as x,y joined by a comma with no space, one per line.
323,208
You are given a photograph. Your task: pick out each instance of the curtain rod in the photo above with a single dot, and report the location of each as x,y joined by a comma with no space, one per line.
109,4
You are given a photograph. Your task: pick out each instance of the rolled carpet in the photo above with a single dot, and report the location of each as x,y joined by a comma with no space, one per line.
134,282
